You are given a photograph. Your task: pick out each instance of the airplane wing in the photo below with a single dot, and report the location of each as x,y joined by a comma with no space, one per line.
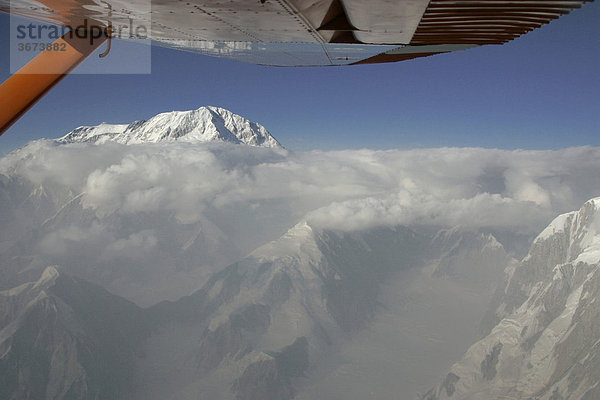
310,32
269,32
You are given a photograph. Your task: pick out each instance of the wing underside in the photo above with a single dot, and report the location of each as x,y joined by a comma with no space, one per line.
311,32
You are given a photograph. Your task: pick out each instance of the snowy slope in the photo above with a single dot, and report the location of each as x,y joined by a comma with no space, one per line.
272,325
205,124
257,325
63,338
546,343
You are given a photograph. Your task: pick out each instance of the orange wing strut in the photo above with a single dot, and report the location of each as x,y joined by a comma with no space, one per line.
23,89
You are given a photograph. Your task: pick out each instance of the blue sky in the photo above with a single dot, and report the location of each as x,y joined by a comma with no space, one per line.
541,91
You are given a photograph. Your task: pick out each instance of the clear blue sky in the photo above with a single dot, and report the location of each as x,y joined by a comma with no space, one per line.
541,91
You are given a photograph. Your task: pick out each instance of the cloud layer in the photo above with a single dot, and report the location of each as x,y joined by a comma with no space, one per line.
519,190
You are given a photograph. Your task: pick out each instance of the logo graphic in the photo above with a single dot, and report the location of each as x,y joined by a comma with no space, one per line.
119,42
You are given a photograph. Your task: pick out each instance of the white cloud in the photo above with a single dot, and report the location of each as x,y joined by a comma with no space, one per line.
342,189
135,245
482,210
72,239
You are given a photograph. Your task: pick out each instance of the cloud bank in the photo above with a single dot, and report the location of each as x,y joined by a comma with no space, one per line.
519,190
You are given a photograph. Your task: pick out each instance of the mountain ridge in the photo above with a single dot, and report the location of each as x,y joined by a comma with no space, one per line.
541,344
64,338
205,124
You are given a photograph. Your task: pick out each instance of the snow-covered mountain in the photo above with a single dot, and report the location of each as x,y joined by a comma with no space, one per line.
546,342
263,322
250,332
305,315
64,338
461,249
205,124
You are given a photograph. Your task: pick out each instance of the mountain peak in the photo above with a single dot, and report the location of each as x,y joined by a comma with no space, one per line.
48,277
577,233
205,124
